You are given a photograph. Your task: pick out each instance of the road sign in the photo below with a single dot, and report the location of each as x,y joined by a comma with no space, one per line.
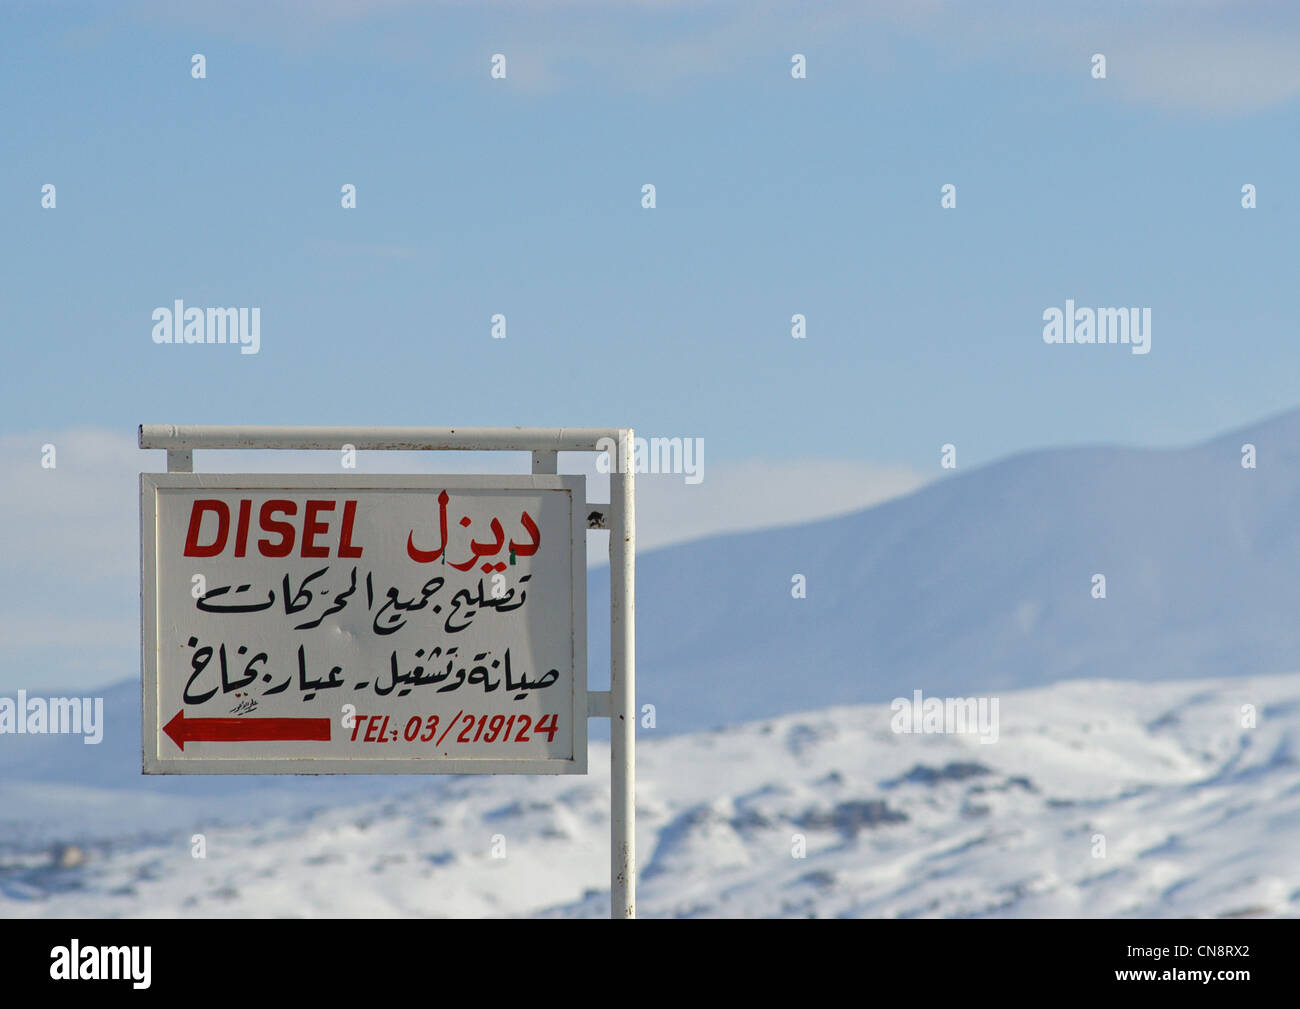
364,624
325,526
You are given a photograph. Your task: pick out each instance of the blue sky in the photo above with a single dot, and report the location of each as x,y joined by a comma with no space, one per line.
775,196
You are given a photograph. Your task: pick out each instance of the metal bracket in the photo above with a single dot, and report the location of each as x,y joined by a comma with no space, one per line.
598,704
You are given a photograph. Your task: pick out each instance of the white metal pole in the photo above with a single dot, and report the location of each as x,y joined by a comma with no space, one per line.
622,681
468,439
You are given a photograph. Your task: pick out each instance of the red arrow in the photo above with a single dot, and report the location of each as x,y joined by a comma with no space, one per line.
243,730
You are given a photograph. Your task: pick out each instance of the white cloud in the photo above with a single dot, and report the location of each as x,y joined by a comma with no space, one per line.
739,497
70,558
77,518
1208,55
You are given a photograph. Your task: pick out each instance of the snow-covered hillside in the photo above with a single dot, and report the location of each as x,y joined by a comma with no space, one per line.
983,581
1199,816
979,583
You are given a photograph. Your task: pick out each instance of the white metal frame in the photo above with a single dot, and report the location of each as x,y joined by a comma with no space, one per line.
618,704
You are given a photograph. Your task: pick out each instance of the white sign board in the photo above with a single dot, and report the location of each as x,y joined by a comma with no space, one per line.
363,624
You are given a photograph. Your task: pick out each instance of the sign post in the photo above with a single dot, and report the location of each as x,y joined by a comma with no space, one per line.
355,624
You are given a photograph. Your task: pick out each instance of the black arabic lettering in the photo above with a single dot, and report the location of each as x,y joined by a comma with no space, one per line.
296,603
205,603
309,687
198,662
340,601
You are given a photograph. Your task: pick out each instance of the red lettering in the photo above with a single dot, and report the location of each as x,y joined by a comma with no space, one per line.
241,530
346,549
310,528
192,547
275,518
270,525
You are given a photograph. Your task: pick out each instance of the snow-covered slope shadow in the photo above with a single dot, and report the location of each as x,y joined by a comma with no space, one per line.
983,581
1099,798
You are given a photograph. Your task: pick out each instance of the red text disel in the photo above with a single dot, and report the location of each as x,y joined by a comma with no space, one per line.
278,518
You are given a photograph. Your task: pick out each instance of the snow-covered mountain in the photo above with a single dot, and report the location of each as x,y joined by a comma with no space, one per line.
1099,798
980,583
983,581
